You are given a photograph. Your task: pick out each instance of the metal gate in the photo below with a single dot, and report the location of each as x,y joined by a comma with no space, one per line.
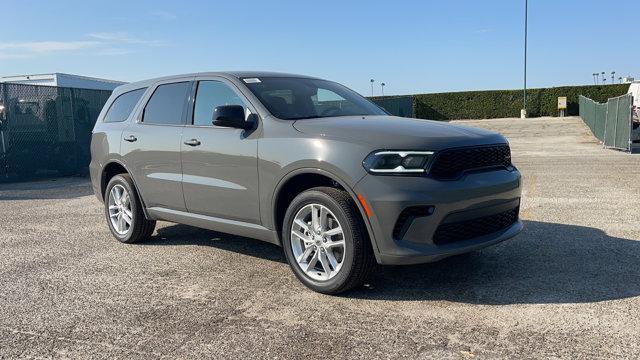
619,122
611,122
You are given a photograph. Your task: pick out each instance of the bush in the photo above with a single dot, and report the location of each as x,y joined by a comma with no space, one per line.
501,103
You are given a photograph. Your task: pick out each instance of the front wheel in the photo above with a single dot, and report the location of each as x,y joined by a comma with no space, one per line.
325,242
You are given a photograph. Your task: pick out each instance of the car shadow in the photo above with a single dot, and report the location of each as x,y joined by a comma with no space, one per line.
188,235
547,263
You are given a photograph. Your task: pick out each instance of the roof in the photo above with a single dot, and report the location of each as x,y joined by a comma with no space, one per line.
235,74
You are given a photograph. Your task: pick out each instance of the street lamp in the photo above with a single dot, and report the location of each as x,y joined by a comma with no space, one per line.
372,81
620,79
523,112
595,81
604,80
613,76
382,88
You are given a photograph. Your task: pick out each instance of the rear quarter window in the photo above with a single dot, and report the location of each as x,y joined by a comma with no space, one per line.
123,105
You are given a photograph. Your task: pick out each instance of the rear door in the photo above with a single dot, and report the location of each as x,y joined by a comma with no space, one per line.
151,145
219,164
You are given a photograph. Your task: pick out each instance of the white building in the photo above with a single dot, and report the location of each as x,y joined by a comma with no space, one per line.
63,80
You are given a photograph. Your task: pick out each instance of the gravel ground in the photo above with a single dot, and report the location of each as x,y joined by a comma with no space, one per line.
567,287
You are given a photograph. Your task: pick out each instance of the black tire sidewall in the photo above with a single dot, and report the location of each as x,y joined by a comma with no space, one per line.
135,210
319,197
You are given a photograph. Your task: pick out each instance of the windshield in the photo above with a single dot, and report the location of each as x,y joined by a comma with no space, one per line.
301,98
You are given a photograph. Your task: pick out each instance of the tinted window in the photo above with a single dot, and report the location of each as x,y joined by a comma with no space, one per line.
303,98
166,104
122,107
211,94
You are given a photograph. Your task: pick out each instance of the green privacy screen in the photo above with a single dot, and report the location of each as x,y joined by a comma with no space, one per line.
46,130
396,105
609,122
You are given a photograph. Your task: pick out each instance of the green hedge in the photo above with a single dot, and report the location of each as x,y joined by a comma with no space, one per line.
500,103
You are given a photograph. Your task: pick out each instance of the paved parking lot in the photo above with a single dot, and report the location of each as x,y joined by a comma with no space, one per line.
568,286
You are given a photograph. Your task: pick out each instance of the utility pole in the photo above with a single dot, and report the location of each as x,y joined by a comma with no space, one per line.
523,113
382,88
372,81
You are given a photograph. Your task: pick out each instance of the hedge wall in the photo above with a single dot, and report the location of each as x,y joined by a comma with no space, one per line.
503,103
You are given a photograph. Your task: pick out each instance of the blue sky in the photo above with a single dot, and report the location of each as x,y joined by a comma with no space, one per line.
412,46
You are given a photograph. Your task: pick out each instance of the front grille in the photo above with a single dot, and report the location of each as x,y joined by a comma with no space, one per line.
448,233
451,164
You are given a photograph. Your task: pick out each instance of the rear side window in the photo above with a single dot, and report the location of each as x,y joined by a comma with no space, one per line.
123,105
166,104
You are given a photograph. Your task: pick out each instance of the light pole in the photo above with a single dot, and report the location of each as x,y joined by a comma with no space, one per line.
595,81
382,88
620,79
604,80
523,112
613,77
372,81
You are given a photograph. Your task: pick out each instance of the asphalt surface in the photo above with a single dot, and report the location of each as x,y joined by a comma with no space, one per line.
567,287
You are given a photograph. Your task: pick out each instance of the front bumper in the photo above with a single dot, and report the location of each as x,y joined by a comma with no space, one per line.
476,196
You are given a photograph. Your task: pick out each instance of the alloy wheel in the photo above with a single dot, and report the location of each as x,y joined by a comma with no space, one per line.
120,213
317,241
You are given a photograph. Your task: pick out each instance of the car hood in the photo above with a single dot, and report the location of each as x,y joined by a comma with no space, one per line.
391,132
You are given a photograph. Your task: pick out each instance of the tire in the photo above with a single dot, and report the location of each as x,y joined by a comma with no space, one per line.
139,228
357,259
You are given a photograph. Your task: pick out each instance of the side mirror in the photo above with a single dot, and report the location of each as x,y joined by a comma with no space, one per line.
230,116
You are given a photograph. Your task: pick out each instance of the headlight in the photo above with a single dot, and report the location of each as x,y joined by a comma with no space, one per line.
397,162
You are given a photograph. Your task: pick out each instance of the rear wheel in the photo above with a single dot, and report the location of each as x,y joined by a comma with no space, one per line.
123,210
324,241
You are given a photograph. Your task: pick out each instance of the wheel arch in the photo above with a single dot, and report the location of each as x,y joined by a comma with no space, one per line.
297,181
113,168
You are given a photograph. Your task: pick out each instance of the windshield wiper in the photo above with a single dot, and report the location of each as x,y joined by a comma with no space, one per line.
326,116
305,117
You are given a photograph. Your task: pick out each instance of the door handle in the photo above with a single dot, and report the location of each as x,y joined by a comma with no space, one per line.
130,138
192,142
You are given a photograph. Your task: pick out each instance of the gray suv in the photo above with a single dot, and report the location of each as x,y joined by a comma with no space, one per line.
303,163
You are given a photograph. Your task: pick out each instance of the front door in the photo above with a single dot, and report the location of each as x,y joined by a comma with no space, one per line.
219,164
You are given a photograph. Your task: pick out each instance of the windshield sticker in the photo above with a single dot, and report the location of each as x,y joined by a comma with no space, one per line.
251,80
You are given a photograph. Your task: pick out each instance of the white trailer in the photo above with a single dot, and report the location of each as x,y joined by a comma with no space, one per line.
64,80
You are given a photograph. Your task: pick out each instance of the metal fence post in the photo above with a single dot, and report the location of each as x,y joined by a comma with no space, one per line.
630,144
4,115
606,118
615,125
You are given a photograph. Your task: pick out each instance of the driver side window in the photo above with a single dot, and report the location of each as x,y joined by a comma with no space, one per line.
209,95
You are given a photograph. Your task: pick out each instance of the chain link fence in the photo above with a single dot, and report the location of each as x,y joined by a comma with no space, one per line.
46,130
611,122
